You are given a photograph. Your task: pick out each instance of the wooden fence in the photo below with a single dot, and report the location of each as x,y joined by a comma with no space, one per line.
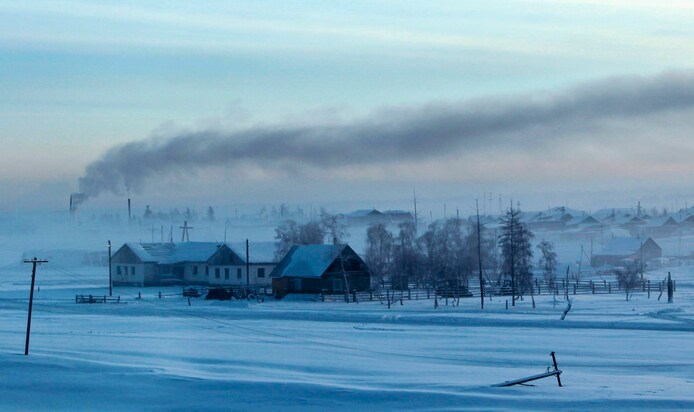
562,287
96,299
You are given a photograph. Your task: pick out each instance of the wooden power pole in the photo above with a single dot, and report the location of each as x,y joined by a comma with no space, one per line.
35,262
479,254
110,282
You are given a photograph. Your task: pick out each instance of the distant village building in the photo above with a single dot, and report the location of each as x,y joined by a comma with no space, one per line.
620,251
320,268
364,216
192,263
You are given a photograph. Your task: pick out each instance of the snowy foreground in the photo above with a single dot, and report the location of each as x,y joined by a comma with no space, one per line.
297,355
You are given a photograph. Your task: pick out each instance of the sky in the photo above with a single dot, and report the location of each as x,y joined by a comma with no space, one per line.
583,103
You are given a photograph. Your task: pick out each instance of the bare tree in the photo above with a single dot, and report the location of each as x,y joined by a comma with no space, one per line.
379,250
627,278
290,233
548,262
333,227
287,235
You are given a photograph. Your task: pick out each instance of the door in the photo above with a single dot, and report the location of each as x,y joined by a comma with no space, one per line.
297,284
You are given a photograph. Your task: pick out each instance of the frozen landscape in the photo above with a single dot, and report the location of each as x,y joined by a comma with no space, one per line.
303,205
164,354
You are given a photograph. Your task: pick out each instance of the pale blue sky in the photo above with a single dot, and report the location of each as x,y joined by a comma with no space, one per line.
77,77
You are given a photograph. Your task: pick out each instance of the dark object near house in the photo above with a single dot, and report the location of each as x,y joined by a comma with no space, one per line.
320,268
219,294
192,292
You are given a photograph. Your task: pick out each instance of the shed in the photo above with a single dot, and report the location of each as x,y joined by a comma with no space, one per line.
320,268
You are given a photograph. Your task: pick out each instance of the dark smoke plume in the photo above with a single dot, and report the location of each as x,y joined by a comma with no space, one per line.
418,133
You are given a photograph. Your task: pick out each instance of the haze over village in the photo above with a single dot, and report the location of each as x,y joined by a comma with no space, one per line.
329,206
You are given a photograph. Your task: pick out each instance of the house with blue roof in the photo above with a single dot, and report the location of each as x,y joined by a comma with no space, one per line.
192,263
320,269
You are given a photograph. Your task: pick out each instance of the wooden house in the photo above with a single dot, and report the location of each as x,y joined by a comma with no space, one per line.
191,263
620,251
320,268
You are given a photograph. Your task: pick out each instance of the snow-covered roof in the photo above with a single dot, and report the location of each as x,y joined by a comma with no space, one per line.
662,221
169,253
307,261
364,213
583,220
623,246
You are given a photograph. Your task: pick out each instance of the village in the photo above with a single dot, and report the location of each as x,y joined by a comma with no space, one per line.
611,240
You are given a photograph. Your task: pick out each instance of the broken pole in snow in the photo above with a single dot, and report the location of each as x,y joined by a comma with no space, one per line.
556,372
34,261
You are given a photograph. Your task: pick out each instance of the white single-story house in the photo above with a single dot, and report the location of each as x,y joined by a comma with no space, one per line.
193,263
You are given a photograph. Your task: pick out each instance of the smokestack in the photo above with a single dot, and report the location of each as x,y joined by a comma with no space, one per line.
70,204
129,214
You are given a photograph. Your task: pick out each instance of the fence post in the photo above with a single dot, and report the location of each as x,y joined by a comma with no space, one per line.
649,288
139,295
409,294
322,296
609,287
574,288
592,286
506,304
354,295
160,294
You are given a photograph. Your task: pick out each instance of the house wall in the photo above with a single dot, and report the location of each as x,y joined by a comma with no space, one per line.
235,280
132,274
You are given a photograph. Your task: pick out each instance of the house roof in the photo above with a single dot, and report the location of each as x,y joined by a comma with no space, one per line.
307,261
624,246
364,213
169,253
662,221
583,220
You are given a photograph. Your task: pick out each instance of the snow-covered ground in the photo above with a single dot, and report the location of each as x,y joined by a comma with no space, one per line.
154,354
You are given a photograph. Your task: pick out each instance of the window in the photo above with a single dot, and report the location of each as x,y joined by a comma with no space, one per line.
132,271
195,270
207,271
261,272
238,273
118,272
216,273
226,273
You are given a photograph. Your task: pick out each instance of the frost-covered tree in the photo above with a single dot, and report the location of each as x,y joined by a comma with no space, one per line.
516,252
148,213
287,235
311,233
379,250
627,278
548,262
334,228
210,214
406,255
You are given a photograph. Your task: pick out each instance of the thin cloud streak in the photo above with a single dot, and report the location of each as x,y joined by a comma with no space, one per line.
416,134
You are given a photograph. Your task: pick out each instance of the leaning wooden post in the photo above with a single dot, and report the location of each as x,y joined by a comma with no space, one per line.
670,288
556,368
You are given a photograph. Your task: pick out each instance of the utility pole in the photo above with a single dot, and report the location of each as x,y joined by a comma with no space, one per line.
185,237
414,196
110,283
35,262
513,258
479,253
248,266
